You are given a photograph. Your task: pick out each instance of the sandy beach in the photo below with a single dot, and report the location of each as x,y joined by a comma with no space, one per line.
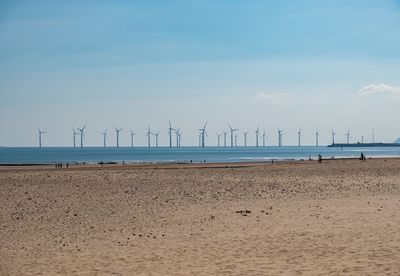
294,218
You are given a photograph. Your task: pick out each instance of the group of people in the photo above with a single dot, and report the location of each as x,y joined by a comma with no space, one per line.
362,158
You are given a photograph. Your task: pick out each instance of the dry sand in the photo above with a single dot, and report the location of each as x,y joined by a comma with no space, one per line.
338,217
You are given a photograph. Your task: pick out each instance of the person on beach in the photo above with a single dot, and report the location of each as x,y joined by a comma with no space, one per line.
362,157
319,158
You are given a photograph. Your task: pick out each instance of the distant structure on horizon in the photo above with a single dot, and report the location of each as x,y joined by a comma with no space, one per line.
82,131
264,136
225,133
117,131
40,132
280,135
74,133
348,136
245,138
132,138
257,135
148,134
104,138
170,129
333,136
219,137
299,137
203,133
232,133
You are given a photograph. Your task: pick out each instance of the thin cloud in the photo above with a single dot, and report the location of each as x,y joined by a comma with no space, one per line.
379,89
272,97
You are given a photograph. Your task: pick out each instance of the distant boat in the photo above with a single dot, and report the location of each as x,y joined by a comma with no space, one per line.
364,145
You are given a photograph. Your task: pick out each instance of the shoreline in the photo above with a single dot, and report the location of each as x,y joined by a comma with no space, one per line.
227,164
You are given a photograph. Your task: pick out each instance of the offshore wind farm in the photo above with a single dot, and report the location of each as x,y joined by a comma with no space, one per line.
166,147
153,138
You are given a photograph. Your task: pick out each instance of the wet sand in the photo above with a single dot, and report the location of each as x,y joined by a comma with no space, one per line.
293,218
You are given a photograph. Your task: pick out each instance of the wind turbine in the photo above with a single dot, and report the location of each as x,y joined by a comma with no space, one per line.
316,138
132,138
348,136
333,136
118,131
232,132
74,133
219,137
299,136
40,136
245,138
104,138
81,130
203,132
148,134
170,129
235,140
156,135
264,136
225,133
257,135
179,137
280,134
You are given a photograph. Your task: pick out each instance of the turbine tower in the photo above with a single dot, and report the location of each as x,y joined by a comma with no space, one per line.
104,138
148,134
203,132
82,131
232,132
170,129
348,136
74,133
316,138
264,136
333,136
118,131
245,138
132,138
280,134
156,135
199,140
257,135
179,138
235,140
219,137
225,133
299,137
40,132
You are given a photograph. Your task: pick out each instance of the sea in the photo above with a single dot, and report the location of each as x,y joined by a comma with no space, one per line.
93,155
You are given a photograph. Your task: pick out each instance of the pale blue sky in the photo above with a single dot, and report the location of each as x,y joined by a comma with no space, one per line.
292,64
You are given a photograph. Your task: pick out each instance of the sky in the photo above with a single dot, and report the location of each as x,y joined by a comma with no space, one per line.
312,64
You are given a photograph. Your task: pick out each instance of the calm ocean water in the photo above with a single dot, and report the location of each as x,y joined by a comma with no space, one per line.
183,154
